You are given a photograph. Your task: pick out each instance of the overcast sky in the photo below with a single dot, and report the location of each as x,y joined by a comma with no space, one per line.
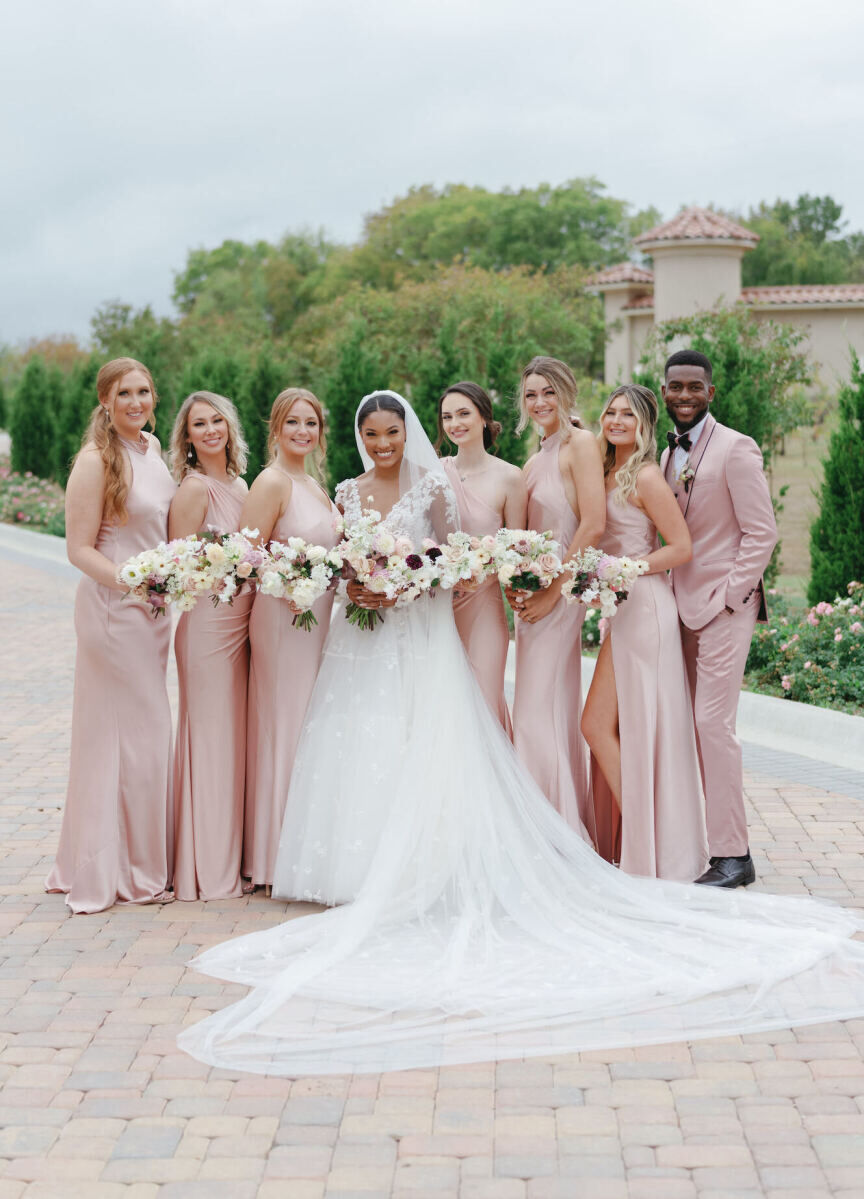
131,133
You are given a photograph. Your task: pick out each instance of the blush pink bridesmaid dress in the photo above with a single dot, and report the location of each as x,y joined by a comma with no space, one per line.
212,650
114,842
480,616
547,703
285,661
660,832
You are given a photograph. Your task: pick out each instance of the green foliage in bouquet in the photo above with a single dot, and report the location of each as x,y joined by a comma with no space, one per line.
816,657
837,534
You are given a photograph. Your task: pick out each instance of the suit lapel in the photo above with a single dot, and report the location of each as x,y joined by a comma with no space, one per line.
667,465
695,461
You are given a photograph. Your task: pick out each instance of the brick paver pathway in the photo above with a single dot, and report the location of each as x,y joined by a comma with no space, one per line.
97,1101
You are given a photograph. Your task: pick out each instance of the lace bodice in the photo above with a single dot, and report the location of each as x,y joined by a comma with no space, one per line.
428,509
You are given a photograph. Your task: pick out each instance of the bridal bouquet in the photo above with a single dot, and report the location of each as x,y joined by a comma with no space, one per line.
165,575
299,572
602,577
467,560
386,565
226,561
525,560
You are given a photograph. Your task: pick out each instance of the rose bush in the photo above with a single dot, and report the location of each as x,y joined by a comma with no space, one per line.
30,501
816,657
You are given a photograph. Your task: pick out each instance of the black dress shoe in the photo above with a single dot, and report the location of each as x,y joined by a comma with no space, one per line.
729,872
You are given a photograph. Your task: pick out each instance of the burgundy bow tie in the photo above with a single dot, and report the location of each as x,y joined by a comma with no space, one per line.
682,440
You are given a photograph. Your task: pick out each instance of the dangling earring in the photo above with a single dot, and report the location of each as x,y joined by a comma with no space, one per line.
190,455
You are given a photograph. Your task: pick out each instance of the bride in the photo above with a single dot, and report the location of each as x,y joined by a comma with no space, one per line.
480,924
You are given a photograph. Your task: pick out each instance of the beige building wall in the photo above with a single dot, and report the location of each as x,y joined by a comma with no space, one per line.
692,278
830,332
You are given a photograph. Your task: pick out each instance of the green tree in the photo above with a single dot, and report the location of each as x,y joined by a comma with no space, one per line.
837,534
33,422
437,367
358,370
802,243
266,381
77,402
226,373
4,408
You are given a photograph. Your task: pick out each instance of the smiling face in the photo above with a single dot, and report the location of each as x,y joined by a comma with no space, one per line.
620,423
301,430
383,435
130,404
461,420
687,394
207,430
541,403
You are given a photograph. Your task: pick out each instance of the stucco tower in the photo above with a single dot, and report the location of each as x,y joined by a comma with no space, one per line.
697,262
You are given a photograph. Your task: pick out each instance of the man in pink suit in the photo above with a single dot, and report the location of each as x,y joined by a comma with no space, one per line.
718,478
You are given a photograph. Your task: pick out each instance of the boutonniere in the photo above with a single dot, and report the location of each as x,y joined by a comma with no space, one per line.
686,475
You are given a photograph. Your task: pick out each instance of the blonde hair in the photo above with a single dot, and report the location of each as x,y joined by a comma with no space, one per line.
643,405
183,456
563,382
282,405
101,434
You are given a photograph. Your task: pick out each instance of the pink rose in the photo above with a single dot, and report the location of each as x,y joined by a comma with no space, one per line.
548,563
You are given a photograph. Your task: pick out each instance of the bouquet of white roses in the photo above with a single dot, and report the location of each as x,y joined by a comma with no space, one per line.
299,572
165,575
525,560
227,561
467,561
387,565
602,577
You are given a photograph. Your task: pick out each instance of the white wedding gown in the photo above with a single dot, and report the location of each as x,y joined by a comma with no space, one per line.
481,926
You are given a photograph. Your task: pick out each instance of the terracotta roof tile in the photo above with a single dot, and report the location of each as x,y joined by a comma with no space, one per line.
622,272
695,224
815,293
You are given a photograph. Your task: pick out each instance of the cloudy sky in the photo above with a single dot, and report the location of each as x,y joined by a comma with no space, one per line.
131,133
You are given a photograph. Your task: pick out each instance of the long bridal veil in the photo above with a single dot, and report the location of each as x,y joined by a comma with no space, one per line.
481,926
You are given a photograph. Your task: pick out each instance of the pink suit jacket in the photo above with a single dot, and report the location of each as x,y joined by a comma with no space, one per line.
728,509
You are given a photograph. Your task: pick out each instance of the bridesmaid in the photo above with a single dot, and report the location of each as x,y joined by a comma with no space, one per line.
565,495
490,494
208,458
114,843
284,501
648,800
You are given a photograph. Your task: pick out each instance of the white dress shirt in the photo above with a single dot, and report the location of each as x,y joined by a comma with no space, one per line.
681,455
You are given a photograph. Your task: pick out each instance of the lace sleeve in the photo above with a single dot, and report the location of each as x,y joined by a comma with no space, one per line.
442,509
348,499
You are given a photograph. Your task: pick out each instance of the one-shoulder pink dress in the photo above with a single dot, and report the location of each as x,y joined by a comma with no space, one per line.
661,829
212,650
285,661
480,616
547,704
114,842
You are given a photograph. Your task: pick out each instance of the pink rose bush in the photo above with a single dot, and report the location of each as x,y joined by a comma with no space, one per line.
816,657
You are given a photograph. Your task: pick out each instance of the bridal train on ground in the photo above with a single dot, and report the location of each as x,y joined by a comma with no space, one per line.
481,925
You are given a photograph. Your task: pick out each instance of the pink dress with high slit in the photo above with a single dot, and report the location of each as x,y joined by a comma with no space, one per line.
661,830
547,704
114,843
212,650
480,616
285,661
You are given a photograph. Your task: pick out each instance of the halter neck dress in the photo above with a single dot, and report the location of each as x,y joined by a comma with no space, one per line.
547,705
660,832
212,650
480,616
285,661
114,843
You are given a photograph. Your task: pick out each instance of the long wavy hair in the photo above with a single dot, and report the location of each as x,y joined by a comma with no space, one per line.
563,382
101,434
643,405
183,456
481,401
282,405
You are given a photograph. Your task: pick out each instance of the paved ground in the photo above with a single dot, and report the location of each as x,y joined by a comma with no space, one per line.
96,1100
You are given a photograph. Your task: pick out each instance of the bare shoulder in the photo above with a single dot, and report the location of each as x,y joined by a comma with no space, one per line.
88,464
582,446
269,483
508,471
